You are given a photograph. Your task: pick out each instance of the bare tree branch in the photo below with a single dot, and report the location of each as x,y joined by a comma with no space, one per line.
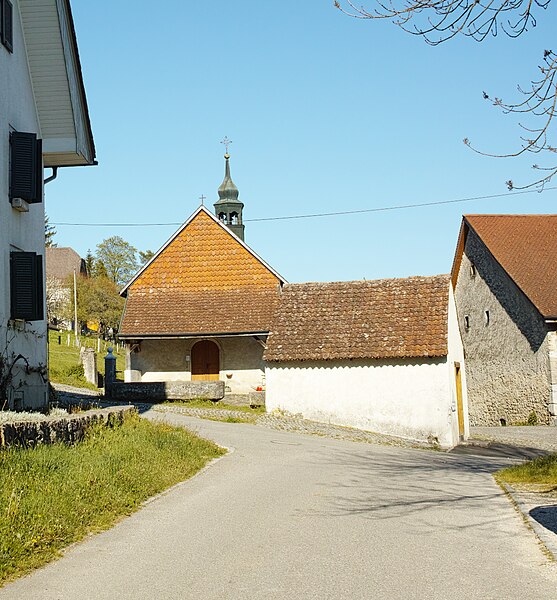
440,20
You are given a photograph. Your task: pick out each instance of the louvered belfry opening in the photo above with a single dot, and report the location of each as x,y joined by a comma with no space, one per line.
228,207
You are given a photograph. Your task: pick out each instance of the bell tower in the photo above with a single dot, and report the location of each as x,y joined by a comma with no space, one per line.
228,208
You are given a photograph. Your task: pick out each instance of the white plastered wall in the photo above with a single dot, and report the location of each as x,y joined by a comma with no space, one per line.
19,231
412,398
241,361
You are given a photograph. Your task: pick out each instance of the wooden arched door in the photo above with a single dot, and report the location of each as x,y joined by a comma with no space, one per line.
205,361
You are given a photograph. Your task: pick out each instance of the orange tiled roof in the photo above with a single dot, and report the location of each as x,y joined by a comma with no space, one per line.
526,247
203,281
207,312
388,318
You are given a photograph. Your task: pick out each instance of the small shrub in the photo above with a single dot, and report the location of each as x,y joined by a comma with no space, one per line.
532,418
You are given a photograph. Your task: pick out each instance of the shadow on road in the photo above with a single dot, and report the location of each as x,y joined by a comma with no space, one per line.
425,489
498,450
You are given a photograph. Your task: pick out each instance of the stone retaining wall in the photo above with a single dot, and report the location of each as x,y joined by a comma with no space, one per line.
68,429
153,392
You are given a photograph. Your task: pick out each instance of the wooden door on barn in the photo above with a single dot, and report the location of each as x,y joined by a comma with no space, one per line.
205,361
459,403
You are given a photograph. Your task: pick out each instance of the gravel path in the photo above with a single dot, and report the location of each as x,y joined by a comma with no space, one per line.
295,424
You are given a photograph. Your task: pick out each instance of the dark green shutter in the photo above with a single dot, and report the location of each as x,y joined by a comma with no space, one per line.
7,24
25,166
26,286
39,289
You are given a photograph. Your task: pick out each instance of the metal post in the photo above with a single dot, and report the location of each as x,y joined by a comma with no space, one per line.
109,372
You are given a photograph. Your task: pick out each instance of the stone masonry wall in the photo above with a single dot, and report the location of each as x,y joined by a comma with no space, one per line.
169,390
68,429
507,360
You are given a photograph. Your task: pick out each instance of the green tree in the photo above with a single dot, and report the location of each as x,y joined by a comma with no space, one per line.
49,233
119,258
145,257
441,20
99,270
89,263
98,300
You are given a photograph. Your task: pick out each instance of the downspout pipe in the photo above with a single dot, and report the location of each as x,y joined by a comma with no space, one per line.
53,176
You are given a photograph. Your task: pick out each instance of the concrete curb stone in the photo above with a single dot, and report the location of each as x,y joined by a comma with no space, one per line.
520,499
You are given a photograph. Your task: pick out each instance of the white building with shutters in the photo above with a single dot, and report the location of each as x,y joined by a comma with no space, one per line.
44,123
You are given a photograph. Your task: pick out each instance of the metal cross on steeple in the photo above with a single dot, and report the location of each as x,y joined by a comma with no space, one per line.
226,143
202,198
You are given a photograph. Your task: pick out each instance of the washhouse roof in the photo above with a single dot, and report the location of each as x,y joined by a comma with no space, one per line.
386,318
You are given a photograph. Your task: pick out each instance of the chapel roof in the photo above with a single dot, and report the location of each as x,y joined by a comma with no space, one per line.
181,313
62,262
526,248
204,280
386,318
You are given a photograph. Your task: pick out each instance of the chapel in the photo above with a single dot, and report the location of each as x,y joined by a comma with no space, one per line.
202,307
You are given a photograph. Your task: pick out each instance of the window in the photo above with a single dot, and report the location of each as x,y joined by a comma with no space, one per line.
26,286
6,24
486,318
467,323
26,181
472,270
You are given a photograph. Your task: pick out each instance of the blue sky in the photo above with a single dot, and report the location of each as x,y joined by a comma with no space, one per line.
326,113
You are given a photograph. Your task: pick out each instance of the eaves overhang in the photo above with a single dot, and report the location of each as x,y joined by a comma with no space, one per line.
57,80
188,336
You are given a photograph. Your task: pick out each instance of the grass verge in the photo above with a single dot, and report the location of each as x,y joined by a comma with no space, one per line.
63,359
209,404
540,471
52,496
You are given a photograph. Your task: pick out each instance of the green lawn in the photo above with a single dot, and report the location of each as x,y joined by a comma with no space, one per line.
52,496
540,471
64,366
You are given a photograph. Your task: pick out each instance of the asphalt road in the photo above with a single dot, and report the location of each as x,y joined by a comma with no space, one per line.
291,516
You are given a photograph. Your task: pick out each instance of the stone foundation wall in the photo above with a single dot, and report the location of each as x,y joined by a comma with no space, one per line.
70,429
169,390
251,399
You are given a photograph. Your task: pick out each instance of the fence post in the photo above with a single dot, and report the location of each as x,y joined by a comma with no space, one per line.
109,372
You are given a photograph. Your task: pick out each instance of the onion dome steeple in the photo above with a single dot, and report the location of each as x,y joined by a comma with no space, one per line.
228,208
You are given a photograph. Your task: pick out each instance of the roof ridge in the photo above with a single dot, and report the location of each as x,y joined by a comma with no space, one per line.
364,281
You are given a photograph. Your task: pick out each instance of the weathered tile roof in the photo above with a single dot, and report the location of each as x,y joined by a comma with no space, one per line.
526,247
387,318
62,262
201,312
203,281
